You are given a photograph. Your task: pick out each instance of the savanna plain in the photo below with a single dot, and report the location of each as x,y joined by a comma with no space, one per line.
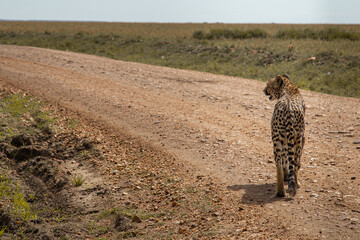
154,131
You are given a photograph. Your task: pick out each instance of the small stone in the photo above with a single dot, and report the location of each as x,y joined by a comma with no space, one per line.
314,195
115,172
136,219
357,142
174,204
311,59
353,178
215,214
181,230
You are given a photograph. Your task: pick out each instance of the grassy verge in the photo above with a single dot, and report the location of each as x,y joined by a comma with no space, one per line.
20,115
48,191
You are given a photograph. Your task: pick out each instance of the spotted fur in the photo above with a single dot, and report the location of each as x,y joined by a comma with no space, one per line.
287,130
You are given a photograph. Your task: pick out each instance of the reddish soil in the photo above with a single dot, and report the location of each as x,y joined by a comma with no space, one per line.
215,128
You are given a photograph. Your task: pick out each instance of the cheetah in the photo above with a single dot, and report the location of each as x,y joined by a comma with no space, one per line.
287,131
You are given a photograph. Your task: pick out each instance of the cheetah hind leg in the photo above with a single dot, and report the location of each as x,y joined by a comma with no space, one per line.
286,174
292,187
280,182
297,180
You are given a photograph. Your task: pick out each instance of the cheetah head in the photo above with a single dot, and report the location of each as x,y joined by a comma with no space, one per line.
273,88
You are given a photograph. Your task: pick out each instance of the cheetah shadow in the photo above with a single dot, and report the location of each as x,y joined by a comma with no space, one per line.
257,194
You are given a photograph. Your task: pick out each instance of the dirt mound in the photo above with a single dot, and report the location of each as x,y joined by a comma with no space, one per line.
39,161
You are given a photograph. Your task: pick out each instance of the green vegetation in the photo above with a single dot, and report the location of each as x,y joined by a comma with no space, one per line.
322,58
78,180
20,115
15,199
230,34
16,110
328,34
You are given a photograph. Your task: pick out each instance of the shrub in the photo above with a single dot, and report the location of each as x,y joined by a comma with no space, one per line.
219,33
327,34
199,35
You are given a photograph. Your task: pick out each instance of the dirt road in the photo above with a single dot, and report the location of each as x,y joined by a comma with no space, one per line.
214,125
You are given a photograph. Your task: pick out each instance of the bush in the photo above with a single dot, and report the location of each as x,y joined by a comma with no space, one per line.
327,34
229,34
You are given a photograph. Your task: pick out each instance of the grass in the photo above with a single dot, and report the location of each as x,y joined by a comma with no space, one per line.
15,199
255,51
2,231
328,34
78,180
230,34
22,114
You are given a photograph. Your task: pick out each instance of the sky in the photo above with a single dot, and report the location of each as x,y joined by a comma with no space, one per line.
225,11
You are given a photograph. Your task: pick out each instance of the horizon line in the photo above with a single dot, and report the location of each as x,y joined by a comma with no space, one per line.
154,22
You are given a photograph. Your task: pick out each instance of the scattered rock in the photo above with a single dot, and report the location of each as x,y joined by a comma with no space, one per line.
181,230
136,219
314,195
215,214
311,59
354,220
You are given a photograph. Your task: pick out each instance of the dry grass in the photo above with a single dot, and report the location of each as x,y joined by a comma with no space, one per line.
153,30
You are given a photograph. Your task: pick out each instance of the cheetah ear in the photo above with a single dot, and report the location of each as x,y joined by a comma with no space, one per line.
279,80
285,75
